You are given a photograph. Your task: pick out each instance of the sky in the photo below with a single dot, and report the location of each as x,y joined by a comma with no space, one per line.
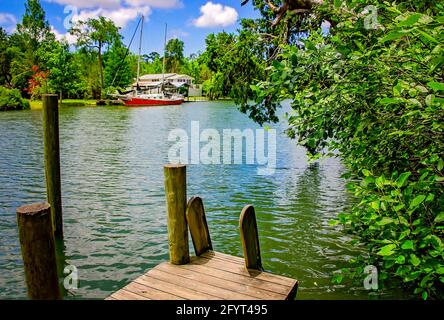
189,20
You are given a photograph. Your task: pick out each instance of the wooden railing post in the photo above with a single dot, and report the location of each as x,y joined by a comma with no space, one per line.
250,238
176,197
38,251
197,223
52,161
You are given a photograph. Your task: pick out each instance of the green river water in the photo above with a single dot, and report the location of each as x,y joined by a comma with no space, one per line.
114,204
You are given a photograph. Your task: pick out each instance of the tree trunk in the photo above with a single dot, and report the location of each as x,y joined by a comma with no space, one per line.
101,70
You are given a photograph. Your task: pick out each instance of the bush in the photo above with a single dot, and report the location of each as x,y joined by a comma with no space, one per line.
10,99
377,96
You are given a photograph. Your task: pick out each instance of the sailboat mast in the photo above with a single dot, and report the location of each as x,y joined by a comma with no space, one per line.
164,54
140,53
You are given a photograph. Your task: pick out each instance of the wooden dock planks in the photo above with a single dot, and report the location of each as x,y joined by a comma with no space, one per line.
211,276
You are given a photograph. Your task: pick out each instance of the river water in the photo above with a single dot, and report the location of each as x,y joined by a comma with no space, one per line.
114,205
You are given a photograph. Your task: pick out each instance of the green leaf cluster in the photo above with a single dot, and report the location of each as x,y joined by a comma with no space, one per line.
377,96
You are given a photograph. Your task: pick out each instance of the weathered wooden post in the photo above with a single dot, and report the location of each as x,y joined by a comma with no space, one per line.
52,161
250,238
38,251
176,201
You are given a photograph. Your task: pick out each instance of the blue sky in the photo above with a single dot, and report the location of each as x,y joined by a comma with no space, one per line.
188,20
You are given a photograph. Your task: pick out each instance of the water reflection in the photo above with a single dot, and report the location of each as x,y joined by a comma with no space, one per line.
114,206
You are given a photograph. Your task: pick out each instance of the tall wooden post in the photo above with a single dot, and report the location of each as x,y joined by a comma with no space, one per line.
176,197
38,251
52,161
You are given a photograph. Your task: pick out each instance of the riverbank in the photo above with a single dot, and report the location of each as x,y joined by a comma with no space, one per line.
37,104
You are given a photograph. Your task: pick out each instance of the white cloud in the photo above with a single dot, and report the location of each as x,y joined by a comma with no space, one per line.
121,12
8,21
89,3
216,15
114,4
7,18
178,33
155,3
120,16
63,36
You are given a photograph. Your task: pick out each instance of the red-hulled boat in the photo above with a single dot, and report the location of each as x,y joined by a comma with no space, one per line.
139,99
146,100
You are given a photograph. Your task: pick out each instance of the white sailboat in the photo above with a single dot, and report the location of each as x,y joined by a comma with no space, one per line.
156,99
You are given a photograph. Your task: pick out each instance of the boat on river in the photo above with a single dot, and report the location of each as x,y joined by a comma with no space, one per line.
138,98
154,99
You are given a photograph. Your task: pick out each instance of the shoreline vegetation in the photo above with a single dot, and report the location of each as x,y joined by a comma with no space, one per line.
38,104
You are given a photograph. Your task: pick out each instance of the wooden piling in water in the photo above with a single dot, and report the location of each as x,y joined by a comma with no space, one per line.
52,161
250,238
38,251
176,201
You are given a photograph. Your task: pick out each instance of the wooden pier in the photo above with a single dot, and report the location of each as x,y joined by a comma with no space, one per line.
209,275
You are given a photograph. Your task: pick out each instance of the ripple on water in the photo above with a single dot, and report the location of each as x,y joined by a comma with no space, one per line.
114,207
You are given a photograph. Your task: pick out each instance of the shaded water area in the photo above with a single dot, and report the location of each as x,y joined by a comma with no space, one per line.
114,203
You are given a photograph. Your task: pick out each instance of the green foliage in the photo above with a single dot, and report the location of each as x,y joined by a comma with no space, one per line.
174,55
193,68
151,65
34,28
64,76
377,96
213,87
5,59
22,52
10,99
94,35
235,61
118,69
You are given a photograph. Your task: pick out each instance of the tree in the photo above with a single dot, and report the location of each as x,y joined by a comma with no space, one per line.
236,61
63,71
118,71
89,72
193,68
5,59
174,55
282,8
153,67
33,31
151,57
34,28
218,49
373,93
96,34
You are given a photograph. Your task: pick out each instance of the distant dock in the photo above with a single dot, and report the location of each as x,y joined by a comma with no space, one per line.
196,99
